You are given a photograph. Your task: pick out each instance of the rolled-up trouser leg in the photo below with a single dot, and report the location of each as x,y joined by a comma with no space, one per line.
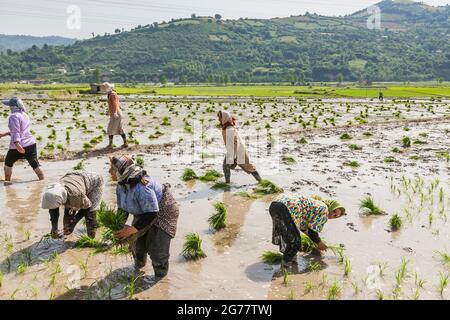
226,170
139,248
158,246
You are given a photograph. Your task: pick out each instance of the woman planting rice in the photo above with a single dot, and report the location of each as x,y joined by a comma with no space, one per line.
237,154
23,144
292,214
155,214
80,193
115,126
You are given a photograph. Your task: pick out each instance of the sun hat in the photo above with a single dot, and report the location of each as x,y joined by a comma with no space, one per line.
14,102
106,87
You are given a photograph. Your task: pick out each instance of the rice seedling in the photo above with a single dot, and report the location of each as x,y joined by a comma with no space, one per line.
188,174
379,293
418,141
307,245
220,185
218,219
80,165
22,267
443,283
382,266
367,134
406,142
345,136
267,187
192,247
291,295
140,161
444,257
418,282
309,287
285,276
347,267
389,159
27,235
314,266
338,252
210,175
246,194
395,222
396,150
87,146
354,147
353,164
130,287
289,160
356,289
87,242
334,291
303,140
368,207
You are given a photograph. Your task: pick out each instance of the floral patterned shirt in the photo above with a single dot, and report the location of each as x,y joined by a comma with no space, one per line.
307,213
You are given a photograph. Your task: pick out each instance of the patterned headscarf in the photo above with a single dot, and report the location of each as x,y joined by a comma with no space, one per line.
126,169
54,197
226,120
15,104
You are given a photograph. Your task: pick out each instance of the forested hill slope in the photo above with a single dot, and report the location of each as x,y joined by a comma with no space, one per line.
20,43
413,44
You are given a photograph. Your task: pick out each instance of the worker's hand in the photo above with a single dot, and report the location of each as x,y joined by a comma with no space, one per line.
20,148
125,232
322,246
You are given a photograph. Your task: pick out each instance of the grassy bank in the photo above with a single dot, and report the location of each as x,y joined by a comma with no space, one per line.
391,91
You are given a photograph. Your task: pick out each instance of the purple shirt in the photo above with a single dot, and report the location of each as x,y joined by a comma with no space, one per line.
19,129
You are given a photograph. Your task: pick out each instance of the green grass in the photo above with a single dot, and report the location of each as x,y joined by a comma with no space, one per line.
267,187
390,91
218,219
271,257
368,206
192,247
188,175
395,222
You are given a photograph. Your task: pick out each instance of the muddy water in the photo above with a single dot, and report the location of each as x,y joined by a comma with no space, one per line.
42,269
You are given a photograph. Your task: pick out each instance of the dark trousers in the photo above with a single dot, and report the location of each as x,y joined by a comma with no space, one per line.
156,243
284,232
70,220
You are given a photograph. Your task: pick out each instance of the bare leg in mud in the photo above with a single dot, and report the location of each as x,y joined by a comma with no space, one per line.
8,174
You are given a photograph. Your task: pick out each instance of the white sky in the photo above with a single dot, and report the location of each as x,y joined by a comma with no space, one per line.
49,17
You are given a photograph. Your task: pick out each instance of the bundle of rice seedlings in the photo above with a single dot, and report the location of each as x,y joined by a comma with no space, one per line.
217,219
88,242
345,136
188,175
109,218
192,247
406,142
79,166
267,187
368,206
395,222
307,244
271,257
246,194
210,175
140,161
221,185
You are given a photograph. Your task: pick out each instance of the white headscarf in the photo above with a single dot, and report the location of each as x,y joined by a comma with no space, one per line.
54,197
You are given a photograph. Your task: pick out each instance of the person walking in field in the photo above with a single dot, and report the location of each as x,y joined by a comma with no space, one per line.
80,193
292,214
155,214
237,154
115,125
23,144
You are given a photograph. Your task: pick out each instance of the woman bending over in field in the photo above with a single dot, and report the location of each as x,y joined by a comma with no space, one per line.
237,154
80,193
155,214
23,144
292,214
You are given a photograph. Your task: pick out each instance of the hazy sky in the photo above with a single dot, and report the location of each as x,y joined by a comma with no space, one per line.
50,17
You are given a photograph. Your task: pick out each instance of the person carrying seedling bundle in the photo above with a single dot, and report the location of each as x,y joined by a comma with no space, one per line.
237,154
23,144
80,192
115,126
292,214
155,214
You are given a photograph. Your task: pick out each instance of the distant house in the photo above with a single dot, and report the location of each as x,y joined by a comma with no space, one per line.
95,88
62,70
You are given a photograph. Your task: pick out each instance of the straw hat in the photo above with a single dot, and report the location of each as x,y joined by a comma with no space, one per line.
106,87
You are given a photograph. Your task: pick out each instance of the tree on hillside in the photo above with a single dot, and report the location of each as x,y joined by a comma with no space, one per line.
217,16
97,75
163,79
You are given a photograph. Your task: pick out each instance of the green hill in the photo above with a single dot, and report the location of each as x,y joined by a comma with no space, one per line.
20,43
412,45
